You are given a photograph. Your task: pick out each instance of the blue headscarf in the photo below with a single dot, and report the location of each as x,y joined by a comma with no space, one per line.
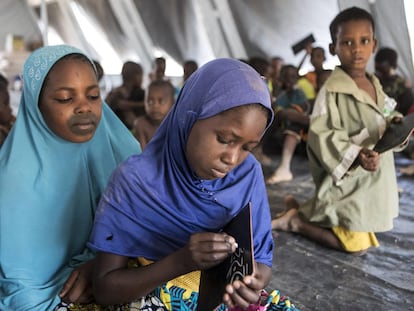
154,202
49,190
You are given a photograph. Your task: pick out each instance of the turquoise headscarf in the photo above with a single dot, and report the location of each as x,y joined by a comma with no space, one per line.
49,190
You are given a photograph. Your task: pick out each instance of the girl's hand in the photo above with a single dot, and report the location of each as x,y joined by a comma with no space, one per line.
242,293
206,250
369,159
78,287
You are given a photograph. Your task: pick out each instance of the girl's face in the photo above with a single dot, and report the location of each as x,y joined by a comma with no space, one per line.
354,45
70,101
218,144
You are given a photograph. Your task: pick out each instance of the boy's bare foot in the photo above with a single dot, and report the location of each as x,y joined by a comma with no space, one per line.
289,221
279,176
290,202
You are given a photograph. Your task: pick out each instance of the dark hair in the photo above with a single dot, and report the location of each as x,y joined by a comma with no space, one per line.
388,55
350,14
287,67
260,64
3,81
160,61
167,85
191,64
318,48
130,70
98,70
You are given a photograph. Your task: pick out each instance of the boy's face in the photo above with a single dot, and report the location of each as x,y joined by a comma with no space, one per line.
355,43
383,69
317,58
70,101
158,103
218,144
290,78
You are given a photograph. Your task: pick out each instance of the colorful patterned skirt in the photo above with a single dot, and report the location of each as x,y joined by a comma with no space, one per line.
180,301
180,294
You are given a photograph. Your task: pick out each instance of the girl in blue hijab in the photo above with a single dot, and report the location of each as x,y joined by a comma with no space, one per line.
167,206
54,166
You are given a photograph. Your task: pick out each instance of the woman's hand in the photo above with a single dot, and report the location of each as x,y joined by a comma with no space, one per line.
242,293
78,287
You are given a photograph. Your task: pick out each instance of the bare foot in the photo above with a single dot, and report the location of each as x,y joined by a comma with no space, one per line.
287,222
290,202
279,176
409,170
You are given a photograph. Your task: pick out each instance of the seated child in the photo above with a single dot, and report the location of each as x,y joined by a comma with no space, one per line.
292,117
160,98
394,85
127,100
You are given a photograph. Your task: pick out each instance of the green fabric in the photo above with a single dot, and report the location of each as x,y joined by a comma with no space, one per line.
344,120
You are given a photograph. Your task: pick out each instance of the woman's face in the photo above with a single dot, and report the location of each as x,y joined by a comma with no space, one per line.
70,100
218,144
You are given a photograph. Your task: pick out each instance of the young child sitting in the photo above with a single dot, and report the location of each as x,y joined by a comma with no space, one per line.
394,85
292,117
356,189
127,100
168,205
159,100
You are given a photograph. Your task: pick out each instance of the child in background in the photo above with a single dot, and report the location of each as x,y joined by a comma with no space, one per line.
54,165
356,188
6,115
276,64
127,100
393,84
189,67
310,83
292,117
160,98
167,207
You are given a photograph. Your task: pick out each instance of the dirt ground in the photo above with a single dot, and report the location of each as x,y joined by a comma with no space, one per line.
316,278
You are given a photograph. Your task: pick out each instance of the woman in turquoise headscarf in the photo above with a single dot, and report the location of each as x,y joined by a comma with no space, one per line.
52,176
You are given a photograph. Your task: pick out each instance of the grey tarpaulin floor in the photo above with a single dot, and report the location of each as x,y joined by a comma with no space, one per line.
316,278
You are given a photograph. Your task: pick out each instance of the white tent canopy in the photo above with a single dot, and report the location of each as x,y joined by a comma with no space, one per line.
114,31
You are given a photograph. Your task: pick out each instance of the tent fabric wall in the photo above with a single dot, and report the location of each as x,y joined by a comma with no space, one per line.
17,19
201,30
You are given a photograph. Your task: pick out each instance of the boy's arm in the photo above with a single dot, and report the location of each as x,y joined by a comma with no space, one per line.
328,141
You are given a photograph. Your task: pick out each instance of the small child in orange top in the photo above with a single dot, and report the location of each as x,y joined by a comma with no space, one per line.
158,103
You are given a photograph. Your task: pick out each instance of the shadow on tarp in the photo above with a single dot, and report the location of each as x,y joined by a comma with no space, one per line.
317,278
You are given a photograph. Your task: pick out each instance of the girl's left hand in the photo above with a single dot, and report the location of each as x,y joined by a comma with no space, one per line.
242,293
